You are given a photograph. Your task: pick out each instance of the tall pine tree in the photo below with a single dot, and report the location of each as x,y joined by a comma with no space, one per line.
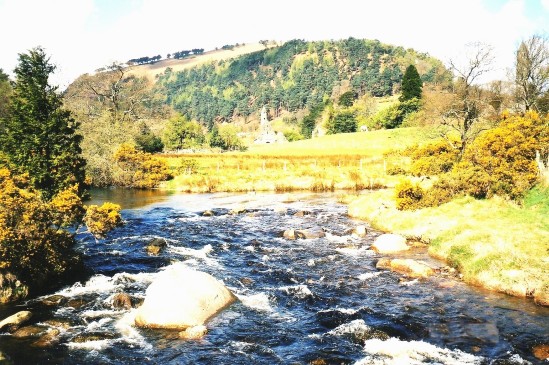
39,136
411,84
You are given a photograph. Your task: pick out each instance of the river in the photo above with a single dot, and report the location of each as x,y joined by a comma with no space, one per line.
310,301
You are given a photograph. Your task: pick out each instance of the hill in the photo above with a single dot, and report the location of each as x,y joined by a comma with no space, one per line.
230,85
295,76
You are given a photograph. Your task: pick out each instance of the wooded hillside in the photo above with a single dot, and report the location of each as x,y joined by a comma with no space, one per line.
294,76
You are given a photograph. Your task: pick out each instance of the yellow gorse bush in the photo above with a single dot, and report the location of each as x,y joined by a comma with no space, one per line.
101,219
139,169
31,244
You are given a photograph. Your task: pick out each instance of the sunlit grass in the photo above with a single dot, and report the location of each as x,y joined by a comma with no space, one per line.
494,243
353,161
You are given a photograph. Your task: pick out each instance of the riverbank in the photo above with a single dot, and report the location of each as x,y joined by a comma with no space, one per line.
494,243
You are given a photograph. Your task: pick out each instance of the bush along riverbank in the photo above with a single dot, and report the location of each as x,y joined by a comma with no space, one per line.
494,243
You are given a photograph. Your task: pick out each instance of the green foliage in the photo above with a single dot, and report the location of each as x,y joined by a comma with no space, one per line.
433,159
308,123
292,135
39,136
296,76
395,170
347,99
5,94
411,84
188,166
408,196
31,244
394,115
342,122
102,219
146,141
139,169
182,134
226,138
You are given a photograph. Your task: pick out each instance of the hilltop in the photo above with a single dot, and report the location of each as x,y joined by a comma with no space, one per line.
152,70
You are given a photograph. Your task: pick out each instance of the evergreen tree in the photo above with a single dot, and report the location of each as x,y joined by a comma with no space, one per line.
40,136
411,84
5,93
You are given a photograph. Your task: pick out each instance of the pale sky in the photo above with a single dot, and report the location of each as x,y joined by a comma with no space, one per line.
83,35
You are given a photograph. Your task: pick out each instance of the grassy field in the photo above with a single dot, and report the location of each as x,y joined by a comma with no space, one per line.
351,161
494,243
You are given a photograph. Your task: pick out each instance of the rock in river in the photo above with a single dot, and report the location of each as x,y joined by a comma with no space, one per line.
390,243
180,297
408,267
122,301
310,233
11,289
155,246
15,321
29,331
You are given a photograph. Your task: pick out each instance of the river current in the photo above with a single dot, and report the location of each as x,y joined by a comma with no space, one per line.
307,301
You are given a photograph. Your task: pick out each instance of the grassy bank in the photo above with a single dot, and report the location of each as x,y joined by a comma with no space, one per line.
351,161
494,243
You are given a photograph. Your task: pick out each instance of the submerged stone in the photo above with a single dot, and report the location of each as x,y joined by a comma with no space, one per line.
122,301
155,246
193,333
53,300
29,331
49,339
408,267
94,336
541,352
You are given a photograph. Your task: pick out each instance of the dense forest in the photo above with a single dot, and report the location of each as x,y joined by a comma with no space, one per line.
298,75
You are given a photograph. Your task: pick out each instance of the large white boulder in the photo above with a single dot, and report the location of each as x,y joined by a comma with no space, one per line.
390,243
180,297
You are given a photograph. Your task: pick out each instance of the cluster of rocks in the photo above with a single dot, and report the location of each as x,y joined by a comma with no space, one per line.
179,298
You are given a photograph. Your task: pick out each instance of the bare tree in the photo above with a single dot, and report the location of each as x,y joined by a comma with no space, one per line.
531,71
464,113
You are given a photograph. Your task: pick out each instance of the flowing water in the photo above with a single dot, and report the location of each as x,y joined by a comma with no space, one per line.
319,301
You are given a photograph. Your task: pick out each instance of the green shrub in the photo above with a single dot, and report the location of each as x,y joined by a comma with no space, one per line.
188,166
347,98
292,135
343,122
149,143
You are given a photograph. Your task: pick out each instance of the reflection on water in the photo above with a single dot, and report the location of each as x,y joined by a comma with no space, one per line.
127,198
